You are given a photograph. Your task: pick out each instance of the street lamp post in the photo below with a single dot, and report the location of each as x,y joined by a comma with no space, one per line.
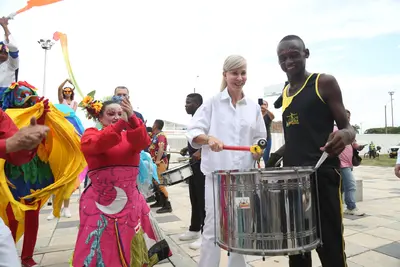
46,45
385,120
194,90
391,93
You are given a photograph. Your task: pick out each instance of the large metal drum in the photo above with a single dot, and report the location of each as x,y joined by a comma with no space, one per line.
266,212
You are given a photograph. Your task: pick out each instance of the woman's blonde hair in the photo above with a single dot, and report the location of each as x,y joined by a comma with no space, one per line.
232,62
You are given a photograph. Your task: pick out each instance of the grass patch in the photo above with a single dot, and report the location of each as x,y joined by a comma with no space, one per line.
382,161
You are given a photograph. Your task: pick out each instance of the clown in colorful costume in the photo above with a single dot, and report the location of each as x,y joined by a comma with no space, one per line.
9,60
53,170
115,228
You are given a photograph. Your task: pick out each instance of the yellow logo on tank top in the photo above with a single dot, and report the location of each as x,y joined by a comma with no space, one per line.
292,119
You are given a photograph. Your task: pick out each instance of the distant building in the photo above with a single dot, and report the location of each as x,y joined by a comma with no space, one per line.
172,126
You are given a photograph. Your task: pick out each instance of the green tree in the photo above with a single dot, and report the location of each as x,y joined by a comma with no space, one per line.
390,130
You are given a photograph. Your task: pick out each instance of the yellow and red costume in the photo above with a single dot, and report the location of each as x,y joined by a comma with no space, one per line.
52,171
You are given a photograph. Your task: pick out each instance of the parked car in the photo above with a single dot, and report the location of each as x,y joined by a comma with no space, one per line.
393,150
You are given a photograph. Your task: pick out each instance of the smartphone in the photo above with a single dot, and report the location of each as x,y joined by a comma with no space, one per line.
117,98
260,101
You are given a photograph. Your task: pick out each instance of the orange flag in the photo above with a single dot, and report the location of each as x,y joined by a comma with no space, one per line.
33,3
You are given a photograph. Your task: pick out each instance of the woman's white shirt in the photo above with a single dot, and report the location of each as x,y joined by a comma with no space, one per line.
240,126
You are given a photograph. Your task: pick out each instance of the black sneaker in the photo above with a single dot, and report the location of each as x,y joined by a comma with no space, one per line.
166,209
150,199
156,205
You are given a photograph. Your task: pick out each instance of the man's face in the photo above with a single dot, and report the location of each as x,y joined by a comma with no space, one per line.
122,92
191,106
292,56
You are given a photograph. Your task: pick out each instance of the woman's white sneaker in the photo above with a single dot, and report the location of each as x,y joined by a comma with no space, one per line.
196,244
51,216
66,213
355,212
189,235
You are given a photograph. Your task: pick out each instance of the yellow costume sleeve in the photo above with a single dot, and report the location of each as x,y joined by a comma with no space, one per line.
62,152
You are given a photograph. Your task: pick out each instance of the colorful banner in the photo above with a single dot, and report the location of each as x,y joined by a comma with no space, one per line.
33,3
64,45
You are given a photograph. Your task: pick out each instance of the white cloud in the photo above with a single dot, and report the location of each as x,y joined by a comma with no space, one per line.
157,48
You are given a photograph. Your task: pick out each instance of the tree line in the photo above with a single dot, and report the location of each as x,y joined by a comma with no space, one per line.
381,130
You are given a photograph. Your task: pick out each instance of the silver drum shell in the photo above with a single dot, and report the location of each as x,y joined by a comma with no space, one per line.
266,212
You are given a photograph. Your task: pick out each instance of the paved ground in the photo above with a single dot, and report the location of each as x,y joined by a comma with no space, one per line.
371,241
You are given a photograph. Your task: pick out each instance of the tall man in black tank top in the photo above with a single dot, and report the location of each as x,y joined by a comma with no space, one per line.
311,103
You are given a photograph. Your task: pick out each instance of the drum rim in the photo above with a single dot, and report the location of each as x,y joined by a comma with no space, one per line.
271,170
177,167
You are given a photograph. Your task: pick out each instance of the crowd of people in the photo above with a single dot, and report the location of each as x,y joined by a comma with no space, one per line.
116,226
45,157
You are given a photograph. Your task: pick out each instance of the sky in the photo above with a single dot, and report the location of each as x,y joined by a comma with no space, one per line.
162,50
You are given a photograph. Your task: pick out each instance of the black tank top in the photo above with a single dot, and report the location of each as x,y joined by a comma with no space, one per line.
307,123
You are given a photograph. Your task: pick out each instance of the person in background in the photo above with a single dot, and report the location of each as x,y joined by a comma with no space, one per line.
348,180
268,118
158,153
123,91
397,167
150,133
372,150
196,182
16,147
153,197
66,95
9,58
229,118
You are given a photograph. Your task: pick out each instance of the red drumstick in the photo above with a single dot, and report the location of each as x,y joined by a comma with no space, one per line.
237,148
262,143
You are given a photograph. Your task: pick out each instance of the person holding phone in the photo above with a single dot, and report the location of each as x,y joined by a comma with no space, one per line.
121,92
268,118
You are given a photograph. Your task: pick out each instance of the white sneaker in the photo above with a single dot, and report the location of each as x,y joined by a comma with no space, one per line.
51,216
66,213
196,244
355,212
189,235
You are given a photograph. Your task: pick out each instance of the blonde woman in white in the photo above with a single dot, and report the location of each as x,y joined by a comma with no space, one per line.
228,118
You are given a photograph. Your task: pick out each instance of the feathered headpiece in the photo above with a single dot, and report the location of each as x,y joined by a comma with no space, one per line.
19,95
91,106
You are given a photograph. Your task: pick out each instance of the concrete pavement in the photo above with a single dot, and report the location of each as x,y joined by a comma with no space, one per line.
371,241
